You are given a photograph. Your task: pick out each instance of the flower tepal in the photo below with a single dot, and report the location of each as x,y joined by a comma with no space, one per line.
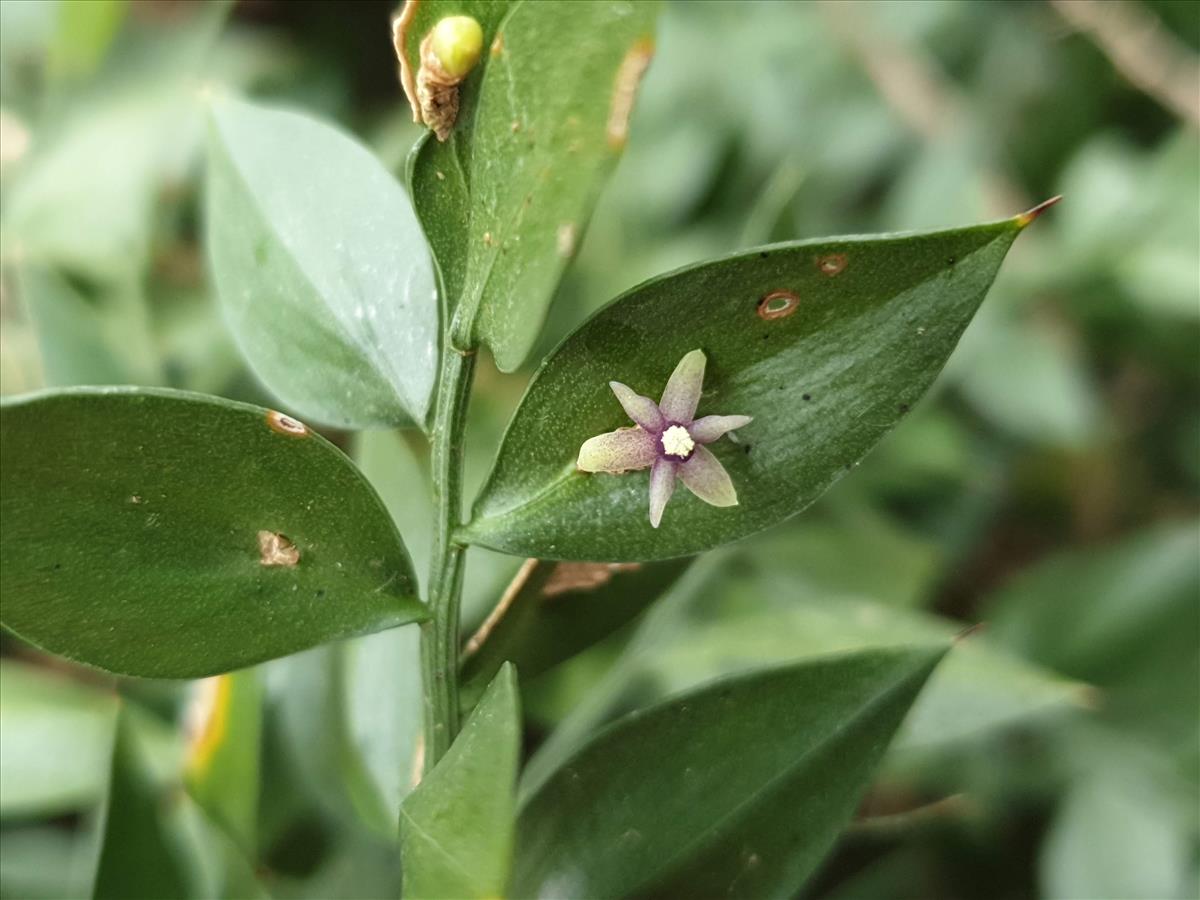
667,439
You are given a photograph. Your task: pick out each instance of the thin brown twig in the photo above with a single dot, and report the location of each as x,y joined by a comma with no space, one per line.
1142,50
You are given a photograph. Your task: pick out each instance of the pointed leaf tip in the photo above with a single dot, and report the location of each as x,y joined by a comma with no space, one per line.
1029,215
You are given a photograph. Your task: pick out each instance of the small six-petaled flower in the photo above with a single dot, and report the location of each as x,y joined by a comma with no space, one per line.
668,439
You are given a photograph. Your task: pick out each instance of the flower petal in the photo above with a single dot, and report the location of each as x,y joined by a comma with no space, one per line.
618,451
682,392
709,428
707,479
641,409
662,485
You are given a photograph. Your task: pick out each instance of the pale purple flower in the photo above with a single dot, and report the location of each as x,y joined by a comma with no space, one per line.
668,439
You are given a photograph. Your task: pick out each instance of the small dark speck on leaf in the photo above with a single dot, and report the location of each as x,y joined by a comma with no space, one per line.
951,260
763,255
746,449
806,396
903,407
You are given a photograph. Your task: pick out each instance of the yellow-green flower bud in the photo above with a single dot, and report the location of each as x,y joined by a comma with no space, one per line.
457,41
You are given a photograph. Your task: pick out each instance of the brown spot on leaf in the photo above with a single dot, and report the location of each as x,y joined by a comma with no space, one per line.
629,75
498,44
275,549
831,264
777,305
282,424
437,92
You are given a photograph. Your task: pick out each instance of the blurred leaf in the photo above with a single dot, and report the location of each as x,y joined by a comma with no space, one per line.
315,696
55,741
143,852
506,200
1124,617
384,711
88,340
739,788
84,198
85,30
194,535
1050,398
552,611
321,266
43,862
456,828
1116,837
824,385
1094,613
221,773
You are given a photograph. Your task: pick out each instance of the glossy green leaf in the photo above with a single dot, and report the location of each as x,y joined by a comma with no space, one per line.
506,199
139,524
322,269
224,722
55,741
552,611
876,320
456,828
737,789
144,851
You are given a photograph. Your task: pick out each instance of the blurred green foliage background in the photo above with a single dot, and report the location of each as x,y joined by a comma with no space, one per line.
1048,488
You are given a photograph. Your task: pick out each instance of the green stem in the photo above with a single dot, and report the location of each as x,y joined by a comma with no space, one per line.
439,636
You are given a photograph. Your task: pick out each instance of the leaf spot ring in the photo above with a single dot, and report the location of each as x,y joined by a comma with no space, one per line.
777,305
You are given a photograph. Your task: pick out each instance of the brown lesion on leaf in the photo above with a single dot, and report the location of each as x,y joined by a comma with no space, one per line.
629,76
498,44
437,92
778,305
583,576
275,549
286,425
831,264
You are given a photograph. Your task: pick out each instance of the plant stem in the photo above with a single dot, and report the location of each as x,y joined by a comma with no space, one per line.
439,636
